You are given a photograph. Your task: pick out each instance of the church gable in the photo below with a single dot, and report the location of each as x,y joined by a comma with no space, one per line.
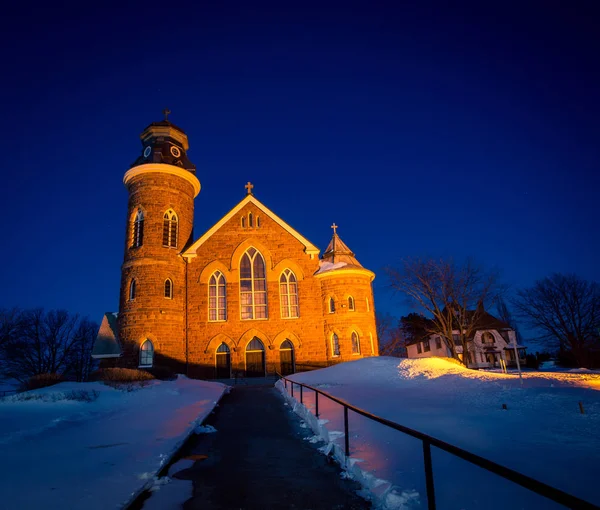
252,219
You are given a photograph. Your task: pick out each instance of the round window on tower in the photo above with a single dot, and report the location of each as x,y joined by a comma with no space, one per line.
175,151
147,151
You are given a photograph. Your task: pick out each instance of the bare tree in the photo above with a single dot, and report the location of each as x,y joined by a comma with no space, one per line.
81,364
566,309
391,342
452,293
505,315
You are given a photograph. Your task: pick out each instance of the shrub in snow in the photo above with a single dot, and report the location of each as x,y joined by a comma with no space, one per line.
41,381
76,395
126,379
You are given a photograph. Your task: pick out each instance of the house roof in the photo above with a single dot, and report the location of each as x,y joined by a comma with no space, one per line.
309,248
107,343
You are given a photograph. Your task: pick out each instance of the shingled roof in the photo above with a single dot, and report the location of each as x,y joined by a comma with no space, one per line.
337,256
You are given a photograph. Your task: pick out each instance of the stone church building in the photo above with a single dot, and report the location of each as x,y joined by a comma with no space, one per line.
251,296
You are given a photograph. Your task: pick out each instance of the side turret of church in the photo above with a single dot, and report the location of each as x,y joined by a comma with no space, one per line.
249,297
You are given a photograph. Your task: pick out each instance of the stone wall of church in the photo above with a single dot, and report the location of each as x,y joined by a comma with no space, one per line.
222,251
150,315
340,286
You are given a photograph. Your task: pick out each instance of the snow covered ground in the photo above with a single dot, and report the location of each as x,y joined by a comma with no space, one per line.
542,433
69,454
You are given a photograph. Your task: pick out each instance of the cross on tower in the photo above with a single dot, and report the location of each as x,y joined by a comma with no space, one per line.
166,113
334,227
249,187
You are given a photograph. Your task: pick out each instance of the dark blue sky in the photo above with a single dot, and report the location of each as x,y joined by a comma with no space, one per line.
419,130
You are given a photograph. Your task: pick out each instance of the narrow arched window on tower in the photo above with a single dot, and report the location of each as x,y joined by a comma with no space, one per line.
132,290
350,303
146,354
138,230
331,305
170,229
168,289
335,345
355,343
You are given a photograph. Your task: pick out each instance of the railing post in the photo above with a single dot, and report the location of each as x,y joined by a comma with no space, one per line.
292,383
301,393
346,436
285,384
316,404
429,475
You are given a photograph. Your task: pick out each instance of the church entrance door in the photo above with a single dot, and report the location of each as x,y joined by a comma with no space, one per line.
287,358
223,362
255,359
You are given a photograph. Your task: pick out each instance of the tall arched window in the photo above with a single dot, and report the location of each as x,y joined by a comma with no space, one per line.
331,305
170,229
253,285
250,220
350,303
288,292
168,289
355,343
243,221
132,290
335,345
138,230
217,301
146,354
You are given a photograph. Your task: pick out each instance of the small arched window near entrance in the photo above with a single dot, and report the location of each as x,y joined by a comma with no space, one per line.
335,345
168,288
170,229
288,292
132,289
223,362
286,353
138,230
255,359
355,343
146,354
350,303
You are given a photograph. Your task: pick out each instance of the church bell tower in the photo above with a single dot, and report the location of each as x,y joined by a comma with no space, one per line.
162,185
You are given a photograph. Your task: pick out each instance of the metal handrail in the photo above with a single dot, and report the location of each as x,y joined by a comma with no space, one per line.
529,483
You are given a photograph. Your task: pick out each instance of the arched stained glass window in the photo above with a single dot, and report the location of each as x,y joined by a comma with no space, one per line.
168,289
138,230
132,288
217,297
146,354
335,345
355,343
170,229
288,292
253,285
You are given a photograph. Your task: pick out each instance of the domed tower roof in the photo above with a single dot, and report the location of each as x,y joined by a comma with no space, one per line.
337,256
164,142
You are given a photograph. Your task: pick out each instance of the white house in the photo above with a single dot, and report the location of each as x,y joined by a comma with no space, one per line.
493,340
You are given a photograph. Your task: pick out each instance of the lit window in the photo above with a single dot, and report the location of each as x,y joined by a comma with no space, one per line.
168,289
288,291
146,354
253,285
138,230
331,305
217,300
355,343
335,345
488,338
132,290
170,229
351,303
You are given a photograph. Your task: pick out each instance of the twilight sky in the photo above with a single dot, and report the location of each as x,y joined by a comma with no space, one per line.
419,130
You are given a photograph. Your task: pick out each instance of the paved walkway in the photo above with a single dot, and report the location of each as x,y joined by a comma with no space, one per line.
257,459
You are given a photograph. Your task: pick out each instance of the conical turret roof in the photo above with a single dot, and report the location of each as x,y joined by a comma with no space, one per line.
337,256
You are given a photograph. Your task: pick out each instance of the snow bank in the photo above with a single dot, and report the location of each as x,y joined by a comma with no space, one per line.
541,434
71,454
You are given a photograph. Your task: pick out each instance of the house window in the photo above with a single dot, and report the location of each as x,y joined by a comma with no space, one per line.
487,338
132,286
217,300
138,230
288,292
438,342
355,343
253,285
170,229
331,305
146,354
335,345
426,346
350,303
168,289
419,348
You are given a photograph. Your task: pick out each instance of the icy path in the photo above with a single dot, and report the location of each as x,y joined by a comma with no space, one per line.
98,455
542,434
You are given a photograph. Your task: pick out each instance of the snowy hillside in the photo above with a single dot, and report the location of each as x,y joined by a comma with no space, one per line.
70,454
542,433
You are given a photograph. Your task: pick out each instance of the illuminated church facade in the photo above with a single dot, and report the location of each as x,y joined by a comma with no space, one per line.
251,296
